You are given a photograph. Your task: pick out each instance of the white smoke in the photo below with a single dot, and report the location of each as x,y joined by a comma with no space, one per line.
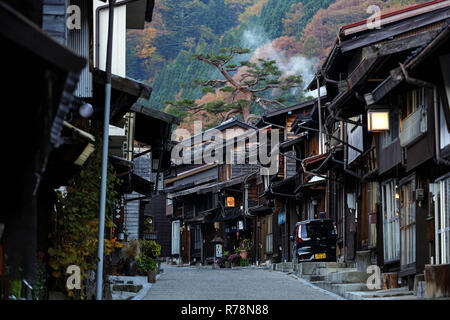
262,47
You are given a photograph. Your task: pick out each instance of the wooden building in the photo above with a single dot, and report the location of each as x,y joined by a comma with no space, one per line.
197,197
394,174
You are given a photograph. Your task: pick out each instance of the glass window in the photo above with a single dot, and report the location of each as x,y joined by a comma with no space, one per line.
408,224
442,221
269,235
391,221
372,207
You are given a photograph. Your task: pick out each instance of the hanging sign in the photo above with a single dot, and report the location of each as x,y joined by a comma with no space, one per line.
230,202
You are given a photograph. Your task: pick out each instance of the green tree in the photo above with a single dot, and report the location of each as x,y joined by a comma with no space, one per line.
311,47
246,84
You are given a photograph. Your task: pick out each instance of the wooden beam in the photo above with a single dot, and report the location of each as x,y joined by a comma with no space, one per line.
190,173
397,45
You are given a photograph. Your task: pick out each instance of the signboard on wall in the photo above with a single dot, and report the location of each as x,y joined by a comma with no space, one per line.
218,250
282,217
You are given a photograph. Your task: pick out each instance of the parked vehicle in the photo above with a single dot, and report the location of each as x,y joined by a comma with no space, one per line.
314,240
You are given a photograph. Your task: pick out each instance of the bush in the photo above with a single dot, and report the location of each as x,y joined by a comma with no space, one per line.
235,258
150,248
145,264
131,250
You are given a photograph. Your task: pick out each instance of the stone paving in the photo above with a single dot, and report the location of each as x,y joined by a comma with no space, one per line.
205,283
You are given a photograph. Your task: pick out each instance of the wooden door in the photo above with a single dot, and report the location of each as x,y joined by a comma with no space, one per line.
186,246
350,235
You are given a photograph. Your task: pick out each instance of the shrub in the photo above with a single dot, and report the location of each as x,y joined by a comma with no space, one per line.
145,264
131,250
150,248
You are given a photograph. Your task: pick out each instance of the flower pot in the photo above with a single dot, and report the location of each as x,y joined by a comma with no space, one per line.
151,276
244,254
227,264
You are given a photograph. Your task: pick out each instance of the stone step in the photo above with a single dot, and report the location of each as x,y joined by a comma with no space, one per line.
326,285
283,266
313,278
310,268
342,288
398,293
347,277
327,271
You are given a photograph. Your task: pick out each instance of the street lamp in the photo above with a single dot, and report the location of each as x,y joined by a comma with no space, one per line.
377,120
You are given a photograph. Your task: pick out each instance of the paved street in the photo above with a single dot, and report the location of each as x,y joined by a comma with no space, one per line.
194,283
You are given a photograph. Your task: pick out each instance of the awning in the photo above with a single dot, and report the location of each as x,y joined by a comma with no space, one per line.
125,92
221,185
410,63
305,121
315,181
260,209
18,29
291,142
152,126
188,191
230,214
202,216
76,146
141,185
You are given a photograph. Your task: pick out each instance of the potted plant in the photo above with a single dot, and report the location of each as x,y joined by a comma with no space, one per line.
235,259
147,262
147,266
245,247
227,262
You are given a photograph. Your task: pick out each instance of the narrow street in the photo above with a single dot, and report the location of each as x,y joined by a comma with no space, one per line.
201,283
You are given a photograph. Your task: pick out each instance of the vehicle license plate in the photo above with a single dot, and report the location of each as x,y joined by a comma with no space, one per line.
320,255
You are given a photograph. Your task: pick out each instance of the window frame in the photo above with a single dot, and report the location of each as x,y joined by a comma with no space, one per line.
391,222
442,220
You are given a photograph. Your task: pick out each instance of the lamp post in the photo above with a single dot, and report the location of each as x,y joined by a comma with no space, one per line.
101,225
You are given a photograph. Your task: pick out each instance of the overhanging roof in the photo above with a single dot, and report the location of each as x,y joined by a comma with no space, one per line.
19,29
405,23
410,63
124,94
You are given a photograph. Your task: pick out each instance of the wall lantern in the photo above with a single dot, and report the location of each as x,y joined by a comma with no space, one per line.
378,120
229,202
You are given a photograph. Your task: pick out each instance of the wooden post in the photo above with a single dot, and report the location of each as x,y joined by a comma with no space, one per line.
390,280
437,280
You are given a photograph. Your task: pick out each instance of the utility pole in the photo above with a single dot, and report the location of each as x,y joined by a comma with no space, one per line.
101,225
319,105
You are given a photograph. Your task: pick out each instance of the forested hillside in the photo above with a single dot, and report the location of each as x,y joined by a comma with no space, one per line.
295,33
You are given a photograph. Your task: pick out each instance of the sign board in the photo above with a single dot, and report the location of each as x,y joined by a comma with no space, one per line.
230,202
218,250
240,225
282,217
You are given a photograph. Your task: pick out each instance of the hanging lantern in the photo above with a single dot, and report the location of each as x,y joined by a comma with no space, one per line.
377,120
